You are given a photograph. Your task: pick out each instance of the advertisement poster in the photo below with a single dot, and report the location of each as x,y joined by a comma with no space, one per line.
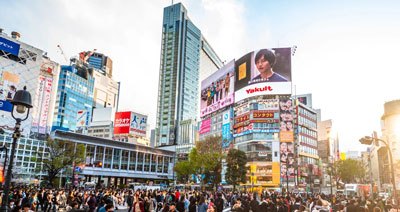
226,130
45,96
205,126
138,124
263,72
217,91
122,122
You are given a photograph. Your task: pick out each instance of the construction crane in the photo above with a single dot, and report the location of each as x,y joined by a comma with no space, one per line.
62,52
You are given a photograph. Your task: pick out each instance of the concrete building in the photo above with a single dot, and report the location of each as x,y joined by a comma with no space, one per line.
24,65
307,141
390,127
184,52
328,152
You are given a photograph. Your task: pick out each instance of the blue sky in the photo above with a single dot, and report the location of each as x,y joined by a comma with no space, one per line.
346,56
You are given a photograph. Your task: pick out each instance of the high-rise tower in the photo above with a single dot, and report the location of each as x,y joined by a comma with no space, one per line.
183,51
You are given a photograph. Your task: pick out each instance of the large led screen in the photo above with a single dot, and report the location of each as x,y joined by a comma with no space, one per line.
263,72
217,90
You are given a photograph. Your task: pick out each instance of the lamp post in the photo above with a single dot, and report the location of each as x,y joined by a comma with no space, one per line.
368,141
22,102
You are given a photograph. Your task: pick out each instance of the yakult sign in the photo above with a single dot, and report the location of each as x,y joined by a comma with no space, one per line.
263,72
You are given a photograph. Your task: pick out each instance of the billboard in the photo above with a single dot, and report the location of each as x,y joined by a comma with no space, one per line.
263,72
287,159
45,86
205,126
305,99
122,122
286,120
217,91
138,124
9,46
226,130
82,118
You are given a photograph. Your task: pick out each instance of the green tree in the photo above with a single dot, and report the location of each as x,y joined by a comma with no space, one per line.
236,167
205,159
208,159
349,170
183,170
61,154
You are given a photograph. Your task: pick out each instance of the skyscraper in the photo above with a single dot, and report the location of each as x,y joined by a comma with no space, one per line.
74,98
184,52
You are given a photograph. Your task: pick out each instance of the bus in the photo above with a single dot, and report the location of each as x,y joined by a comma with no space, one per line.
361,190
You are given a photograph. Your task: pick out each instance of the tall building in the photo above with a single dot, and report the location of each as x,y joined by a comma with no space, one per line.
106,90
24,65
184,55
307,140
74,98
390,125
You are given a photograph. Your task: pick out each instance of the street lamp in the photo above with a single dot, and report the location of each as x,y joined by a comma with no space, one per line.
22,102
367,140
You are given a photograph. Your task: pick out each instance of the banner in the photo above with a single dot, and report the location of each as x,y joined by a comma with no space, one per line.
138,124
9,46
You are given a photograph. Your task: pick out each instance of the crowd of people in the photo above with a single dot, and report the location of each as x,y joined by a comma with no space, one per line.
174,200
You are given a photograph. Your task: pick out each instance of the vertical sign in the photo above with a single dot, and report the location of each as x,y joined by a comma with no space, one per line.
45,103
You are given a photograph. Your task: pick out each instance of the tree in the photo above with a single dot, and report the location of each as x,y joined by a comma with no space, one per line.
208,159
349,170
236,167
183,170
61,154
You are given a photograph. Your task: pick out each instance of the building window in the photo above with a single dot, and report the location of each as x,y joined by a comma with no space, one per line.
132,161
140,161
117,158
124,160
99,153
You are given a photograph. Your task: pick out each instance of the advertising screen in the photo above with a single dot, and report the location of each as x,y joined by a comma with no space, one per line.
263,72
138,124
217,90
122,122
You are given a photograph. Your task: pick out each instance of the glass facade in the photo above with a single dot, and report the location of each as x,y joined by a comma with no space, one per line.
74,93
179,75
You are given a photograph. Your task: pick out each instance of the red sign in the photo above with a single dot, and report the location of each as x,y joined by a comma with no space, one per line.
122,122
